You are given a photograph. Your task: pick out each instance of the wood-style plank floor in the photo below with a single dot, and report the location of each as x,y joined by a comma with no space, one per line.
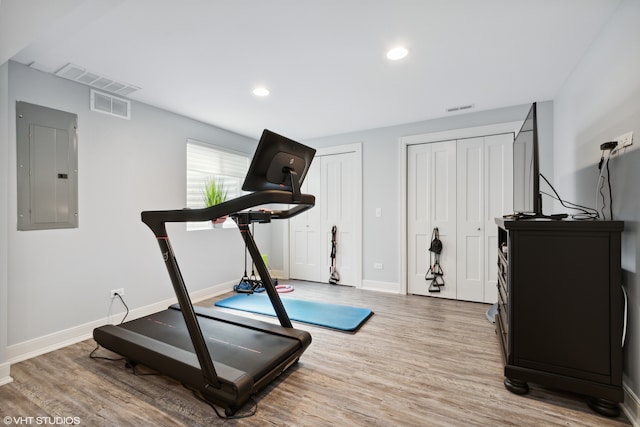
418,361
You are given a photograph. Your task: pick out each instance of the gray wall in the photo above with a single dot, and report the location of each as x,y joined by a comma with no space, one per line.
60,279
600,101
382,185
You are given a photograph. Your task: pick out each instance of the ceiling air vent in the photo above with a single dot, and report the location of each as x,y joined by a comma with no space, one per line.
81,75
460,108
109,104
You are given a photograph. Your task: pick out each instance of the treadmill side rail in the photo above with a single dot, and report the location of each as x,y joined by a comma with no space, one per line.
182,365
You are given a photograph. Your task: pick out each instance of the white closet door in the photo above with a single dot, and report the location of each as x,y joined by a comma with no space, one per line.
484,193
418,217
338,207
471,223
431,202
306,261
331,179
498,166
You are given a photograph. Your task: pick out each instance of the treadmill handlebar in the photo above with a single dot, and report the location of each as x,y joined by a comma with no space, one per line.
156,220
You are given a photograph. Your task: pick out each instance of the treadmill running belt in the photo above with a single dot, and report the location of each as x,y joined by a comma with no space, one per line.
248,350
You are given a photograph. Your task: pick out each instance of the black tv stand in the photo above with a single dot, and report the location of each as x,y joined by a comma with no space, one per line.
560,308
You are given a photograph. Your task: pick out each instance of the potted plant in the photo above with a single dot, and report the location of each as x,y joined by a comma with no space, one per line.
213,194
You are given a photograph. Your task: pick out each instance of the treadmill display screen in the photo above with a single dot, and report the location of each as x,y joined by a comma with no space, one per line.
275,158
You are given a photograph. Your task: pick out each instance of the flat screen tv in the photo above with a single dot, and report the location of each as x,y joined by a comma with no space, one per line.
527,200
279,163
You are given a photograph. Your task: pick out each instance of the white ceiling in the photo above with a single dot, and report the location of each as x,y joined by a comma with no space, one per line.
323,60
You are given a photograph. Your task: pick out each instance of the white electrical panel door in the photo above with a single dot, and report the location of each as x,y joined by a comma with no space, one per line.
47,172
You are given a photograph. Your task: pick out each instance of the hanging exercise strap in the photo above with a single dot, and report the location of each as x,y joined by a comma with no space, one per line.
435,273
334,277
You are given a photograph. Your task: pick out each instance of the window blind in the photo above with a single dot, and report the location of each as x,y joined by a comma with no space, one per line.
206,161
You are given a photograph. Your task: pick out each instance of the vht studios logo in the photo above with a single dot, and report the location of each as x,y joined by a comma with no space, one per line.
41,420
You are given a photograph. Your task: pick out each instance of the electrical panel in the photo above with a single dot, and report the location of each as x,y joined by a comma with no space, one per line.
47,169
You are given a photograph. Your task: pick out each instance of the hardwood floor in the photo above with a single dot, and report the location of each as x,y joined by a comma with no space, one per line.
418,361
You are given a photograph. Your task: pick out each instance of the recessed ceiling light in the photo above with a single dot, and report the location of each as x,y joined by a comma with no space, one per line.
397,53
261,91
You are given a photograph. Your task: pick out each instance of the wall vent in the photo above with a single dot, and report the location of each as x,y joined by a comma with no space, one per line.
81,75
460,108
109,104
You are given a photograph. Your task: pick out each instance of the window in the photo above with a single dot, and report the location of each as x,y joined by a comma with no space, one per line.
205,161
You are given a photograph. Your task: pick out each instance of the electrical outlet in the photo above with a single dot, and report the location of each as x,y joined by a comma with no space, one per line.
119,291
625,140
378,266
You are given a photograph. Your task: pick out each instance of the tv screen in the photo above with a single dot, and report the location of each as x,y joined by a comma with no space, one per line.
526,170
279,163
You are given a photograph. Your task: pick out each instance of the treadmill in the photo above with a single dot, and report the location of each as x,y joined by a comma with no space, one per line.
227,358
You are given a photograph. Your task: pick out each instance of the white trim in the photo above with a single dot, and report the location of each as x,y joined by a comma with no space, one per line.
328,151
4,215
374,285
5,373
471,132
356,147
41,345
631,405
403,144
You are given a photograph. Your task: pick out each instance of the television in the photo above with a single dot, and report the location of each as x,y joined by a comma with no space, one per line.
279,163
527,200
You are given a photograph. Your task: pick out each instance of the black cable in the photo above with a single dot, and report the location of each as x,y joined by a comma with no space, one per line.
125,306
583,215
92,354
604,201
610,195
198,395
587,213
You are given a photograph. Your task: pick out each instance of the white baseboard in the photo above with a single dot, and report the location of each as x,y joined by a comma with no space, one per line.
41,345
631,405
373,285
5,373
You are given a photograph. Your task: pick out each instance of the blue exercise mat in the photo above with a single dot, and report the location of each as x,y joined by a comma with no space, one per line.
334,316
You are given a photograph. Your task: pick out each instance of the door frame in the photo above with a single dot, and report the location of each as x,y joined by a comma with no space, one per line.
328,151
453,134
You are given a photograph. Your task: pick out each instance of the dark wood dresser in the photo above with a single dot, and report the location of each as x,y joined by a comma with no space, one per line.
560,307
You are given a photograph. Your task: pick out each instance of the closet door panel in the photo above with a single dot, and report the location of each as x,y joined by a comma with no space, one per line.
418,216
499,201
339,205
431,202
470,219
